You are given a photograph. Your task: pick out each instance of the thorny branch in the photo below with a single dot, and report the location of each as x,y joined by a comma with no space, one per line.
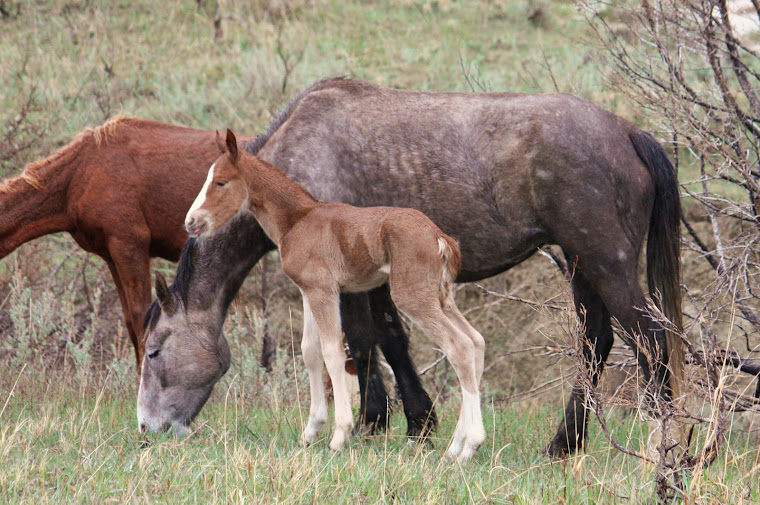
696,80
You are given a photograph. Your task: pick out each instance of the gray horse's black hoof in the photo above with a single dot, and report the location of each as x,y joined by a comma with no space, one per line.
420,428
560,447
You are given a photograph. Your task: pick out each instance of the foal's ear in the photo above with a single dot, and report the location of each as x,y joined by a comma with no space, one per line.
232,146
165,299
219,143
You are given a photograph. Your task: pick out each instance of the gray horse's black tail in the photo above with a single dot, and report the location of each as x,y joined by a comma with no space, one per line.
663,248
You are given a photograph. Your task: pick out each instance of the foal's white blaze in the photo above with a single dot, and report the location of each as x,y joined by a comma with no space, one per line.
202,195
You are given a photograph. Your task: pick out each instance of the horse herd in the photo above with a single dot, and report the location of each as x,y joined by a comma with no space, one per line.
500,174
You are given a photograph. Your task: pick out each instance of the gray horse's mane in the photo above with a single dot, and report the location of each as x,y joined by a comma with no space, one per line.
179,288
255,145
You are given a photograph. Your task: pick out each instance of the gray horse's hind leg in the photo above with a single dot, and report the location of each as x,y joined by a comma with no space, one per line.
387,331
420,413
612,283
361,336
571,432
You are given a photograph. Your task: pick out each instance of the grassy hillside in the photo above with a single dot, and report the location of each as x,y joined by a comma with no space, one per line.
89,60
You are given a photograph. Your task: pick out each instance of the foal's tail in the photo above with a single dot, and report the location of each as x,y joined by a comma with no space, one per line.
663,248
448,249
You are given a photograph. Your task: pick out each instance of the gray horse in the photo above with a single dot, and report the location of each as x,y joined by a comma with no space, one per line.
502,173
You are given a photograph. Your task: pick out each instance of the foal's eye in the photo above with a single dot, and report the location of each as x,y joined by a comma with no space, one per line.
154,354
220,184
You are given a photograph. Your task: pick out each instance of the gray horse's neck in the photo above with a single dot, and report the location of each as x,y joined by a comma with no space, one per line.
221,263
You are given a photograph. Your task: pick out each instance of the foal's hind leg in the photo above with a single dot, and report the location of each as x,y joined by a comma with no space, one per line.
598,332
420,414
461,322
460,351
425,310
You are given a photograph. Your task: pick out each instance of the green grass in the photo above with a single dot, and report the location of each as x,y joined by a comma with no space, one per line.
75,441
66,440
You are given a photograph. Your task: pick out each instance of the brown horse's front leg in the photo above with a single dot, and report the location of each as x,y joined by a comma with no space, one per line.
131,273
324,307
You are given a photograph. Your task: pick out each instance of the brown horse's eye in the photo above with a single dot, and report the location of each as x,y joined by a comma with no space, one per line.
153,354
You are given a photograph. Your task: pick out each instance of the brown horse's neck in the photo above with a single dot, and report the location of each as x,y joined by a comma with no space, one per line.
276,201
28,212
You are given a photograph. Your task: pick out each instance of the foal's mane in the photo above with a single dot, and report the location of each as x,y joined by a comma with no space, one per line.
179,288
34,172
255,145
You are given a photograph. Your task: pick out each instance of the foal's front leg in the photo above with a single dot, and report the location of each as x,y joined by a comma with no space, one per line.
325,306
312,358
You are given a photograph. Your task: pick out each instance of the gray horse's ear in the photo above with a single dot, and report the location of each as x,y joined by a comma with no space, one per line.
232,147
165,298
219,143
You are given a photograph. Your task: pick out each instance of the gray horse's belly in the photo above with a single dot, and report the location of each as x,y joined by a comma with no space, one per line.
493,251
490,241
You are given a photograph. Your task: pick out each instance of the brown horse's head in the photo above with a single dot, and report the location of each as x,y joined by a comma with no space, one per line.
185,355
223,195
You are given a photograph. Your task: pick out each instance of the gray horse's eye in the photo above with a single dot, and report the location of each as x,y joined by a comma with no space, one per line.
153,354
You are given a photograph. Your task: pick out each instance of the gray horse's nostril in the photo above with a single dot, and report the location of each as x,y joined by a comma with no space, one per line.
142,427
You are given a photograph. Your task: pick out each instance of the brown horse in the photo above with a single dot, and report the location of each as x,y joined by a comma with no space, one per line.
328,248
122,191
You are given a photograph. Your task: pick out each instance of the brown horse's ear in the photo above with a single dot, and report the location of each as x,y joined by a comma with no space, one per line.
165,299
232,146
219,143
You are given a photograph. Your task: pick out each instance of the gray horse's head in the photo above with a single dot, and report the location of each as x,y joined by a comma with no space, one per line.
185,355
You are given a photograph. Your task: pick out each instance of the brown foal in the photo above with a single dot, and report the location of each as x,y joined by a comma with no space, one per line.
329,248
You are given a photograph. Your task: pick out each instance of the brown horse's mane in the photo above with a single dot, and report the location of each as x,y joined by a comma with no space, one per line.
255,145
33,172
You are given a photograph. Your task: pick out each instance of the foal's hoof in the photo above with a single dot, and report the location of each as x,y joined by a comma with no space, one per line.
467,453
337,442
462,453
308,437
455,449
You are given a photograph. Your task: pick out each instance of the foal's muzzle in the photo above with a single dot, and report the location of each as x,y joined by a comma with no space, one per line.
195,224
